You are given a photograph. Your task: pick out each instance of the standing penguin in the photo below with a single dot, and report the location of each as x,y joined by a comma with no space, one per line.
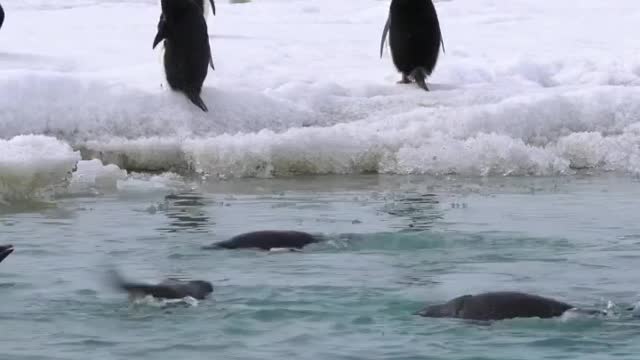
415,39
187,52
1,15
203,5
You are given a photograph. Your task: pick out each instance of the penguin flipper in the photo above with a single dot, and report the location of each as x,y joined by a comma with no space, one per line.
134,289
213,7
384,34
162,31
118,282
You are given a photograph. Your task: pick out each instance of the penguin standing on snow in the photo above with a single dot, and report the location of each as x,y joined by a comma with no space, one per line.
1,15
203,5
187,53
414,38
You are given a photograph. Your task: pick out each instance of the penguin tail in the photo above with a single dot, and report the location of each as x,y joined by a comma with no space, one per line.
419,74
197,100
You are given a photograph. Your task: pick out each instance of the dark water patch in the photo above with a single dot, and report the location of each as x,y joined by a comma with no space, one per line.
186,212
84,343
418,211
86,292
403,241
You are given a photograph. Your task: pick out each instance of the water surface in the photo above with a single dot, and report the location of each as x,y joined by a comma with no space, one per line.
396,244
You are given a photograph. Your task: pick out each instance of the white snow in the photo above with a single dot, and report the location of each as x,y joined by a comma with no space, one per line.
91,176
526,87
31,165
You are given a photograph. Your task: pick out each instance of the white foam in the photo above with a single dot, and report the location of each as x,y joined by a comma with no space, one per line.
307,93
149,300
33,165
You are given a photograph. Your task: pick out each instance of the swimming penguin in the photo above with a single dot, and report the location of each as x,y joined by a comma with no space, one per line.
187,52
268,240
5,250
1,15
414,37
167,289
501,305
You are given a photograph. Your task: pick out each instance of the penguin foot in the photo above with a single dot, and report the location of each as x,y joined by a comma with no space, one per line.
405,80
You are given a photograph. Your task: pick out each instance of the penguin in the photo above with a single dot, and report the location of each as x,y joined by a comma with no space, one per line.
203,5
1,16
502,305
268,240
414,38
187,52
167,289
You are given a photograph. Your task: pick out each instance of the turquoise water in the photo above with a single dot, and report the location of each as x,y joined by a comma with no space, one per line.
396,244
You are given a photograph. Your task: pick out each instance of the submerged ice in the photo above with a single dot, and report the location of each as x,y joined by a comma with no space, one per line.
526,88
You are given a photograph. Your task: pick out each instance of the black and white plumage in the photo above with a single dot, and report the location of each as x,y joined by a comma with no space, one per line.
5,250
204,5
502,305
167,289
268,240
1,16
414,37
187,52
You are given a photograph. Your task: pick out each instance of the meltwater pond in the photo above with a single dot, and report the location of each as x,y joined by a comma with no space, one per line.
396,244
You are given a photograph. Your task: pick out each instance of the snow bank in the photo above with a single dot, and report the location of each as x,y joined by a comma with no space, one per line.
526,88
32,165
